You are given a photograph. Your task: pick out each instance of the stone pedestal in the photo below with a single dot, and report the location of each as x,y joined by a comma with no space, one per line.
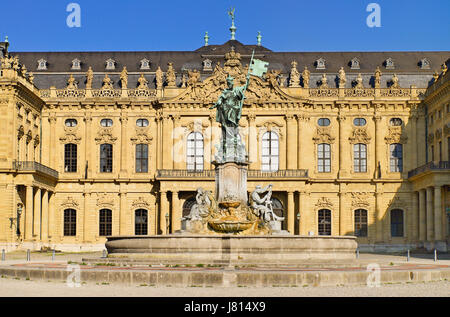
231,182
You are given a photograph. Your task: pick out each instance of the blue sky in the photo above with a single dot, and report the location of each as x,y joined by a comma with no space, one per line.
286,25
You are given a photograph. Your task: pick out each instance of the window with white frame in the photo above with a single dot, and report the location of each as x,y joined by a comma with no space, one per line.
194,152
270,152
323,158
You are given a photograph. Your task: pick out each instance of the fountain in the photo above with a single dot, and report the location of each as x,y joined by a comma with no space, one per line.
228,227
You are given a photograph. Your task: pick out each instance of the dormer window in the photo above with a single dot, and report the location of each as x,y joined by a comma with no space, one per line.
110,64
207,65
320,63
76,64
42,64
145,64
389,63
354,63
425,63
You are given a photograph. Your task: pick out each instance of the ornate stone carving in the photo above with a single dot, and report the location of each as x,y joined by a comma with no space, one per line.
389,63
320,63
354,63
324,202
72,83
377,77
395,135
323,82
294,76
359,82
105,201
124,78
107,83
143,83
359,135
70,136
105,136
145,64
447,129
438,134
394,82
142,136
196,126
159,78
69,202
170,76
342,78
89,78
360,200
323,135
140,203
207,65
306,77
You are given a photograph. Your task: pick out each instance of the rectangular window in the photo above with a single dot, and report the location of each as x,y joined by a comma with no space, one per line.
70,222
432,153
361,223
324,222
141,158
70,158
360,158
141,222
324,158
105,223
106,158
396,157
396,223
448,149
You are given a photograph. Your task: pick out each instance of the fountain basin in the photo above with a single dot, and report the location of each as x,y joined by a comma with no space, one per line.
230,226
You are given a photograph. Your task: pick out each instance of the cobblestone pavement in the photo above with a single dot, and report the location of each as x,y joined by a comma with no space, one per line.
10,287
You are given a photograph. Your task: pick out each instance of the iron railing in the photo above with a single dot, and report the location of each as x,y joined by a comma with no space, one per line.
431,166
34,166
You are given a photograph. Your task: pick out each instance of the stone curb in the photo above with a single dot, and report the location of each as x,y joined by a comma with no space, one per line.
227,278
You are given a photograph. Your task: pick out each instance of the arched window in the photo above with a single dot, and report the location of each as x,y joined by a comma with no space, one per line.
70,123
360,158
324,158
361,223
396,157
70,222
70,158
142,123
270,152
194,152
105,222
106,123
396,223
141,222
323,122
324,222
106,158
188,205
359,122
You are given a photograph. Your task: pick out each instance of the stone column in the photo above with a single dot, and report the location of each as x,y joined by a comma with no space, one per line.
341,214
252,142
303,213
52,147
378,146
414,228
88,148
45,216
342,148
176,212
123,214
378,217
301,120
422,215
167,145
158,140
37,214
290,212
51,216
437,214
29,213
123,143
430,234
414,156
177,152
88,234
164,208
291,142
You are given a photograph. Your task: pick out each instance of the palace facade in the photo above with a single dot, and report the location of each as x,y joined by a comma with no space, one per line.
116,143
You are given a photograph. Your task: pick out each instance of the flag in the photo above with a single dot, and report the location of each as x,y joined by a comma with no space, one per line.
258,67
